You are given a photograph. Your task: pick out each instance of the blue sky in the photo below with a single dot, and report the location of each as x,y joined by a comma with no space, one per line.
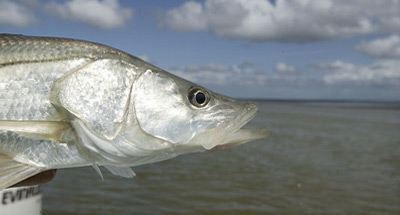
287,49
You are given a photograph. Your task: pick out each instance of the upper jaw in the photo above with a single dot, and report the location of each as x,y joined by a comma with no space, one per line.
250,111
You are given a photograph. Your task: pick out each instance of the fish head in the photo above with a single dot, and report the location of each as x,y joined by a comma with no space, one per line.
188,116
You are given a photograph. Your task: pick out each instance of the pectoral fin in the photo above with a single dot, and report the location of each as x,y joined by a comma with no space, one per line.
125,172
47,130
13,172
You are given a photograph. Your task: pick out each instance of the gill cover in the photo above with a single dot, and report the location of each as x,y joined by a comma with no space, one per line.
161,109
96,93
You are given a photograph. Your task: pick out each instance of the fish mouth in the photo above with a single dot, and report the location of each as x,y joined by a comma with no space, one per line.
239,135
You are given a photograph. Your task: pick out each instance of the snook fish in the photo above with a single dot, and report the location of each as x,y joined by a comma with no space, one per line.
70,103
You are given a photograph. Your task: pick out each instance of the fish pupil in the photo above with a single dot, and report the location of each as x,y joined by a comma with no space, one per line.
200,98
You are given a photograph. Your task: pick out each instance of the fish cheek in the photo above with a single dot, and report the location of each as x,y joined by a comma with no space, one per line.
160,108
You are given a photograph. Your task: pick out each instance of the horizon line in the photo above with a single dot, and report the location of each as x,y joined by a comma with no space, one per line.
319,100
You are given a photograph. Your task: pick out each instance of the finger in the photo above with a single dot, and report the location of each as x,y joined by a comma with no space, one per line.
40,178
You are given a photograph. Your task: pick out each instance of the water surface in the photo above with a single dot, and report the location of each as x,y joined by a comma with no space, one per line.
322,158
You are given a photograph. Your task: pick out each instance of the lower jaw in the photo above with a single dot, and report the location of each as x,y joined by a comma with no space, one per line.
242,136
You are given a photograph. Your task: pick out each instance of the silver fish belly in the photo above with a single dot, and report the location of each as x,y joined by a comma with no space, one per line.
69,103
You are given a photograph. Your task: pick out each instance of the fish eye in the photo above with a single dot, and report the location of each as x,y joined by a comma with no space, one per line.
198,97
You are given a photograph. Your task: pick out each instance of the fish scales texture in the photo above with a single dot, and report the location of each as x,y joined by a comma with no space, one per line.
70,103
19,49
33,65
24,89
98,94
29,70
43,153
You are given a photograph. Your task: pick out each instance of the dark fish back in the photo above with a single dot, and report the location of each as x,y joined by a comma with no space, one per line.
16,49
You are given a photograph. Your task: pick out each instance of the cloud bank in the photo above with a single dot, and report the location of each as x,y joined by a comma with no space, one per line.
12,13
387,47
383,73
321,80
104,14
221,75
282,67
286,20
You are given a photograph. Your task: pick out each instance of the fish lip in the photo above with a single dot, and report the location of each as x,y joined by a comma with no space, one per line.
246,117
238,135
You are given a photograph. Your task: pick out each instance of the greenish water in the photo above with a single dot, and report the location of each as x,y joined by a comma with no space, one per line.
323,158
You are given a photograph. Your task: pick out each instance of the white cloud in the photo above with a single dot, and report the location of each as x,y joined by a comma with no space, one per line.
338,79
286,20
105,14
15,14
384,73
388,47
282,67
214,74
189,16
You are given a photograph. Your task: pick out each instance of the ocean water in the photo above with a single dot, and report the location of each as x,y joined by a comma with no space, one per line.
322,158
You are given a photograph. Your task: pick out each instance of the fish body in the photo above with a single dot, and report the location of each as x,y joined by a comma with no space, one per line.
70,103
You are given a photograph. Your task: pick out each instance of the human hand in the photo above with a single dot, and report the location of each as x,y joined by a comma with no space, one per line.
38,179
